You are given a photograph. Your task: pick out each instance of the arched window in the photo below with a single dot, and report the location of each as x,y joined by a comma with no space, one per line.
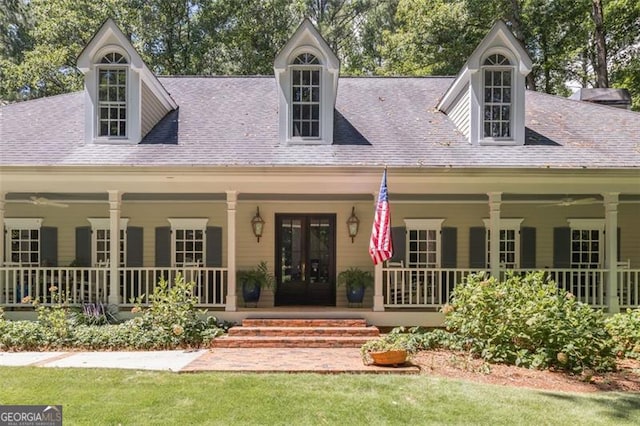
305,87
497,98
112,95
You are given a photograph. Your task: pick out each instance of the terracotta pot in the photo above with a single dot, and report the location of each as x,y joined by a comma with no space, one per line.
394,358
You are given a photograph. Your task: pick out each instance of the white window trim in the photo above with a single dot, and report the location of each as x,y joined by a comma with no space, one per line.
101,223
490,139
586,224
425,225
20,223
114,139
579,224
188,224
301,140
506,224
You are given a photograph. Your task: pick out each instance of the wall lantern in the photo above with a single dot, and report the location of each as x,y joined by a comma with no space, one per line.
257,224
353,223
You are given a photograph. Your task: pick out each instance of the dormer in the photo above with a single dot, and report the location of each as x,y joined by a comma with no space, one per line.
486,100
123,99
306,71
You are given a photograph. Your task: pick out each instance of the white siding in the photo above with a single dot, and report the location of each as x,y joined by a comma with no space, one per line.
460,112
152,110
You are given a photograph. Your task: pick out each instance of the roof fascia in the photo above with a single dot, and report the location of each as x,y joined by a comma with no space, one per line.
306,28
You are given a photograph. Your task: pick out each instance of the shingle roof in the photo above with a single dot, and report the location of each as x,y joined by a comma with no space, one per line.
228,121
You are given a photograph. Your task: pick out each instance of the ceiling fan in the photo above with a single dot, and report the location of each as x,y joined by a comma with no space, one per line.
570,201
42,201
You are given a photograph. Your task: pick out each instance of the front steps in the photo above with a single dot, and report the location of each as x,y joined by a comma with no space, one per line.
298,333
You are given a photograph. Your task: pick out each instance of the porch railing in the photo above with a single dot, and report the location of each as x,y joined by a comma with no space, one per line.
21,284
431,288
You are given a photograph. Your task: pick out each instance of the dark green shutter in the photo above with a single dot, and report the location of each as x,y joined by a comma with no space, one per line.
83,246
527,247
562,247
48,246
163,246
449,240
478,247
398,239
134,246
214,246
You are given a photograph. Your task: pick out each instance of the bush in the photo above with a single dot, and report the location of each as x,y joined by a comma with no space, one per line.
625,332
527,321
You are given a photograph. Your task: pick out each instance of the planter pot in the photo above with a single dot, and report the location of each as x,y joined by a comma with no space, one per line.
250,293
355,294
394,358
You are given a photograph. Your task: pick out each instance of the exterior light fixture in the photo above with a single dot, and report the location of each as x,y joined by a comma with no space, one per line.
353,223
257,224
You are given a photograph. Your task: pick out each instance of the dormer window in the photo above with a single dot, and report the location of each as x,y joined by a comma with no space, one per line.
112,96
305,94
497,99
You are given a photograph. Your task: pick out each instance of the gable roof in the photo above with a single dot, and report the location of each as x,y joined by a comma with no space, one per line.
233,122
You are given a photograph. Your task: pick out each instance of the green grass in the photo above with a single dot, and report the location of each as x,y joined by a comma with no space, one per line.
110,397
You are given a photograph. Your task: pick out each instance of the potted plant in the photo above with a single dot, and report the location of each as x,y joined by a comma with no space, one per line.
356,281
391,349
252,280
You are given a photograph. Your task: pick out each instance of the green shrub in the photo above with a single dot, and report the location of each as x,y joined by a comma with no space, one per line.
527,321
625,332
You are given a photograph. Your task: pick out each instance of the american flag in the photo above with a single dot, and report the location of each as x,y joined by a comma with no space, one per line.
380,246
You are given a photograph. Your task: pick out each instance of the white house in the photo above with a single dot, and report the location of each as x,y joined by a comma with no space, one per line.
177,168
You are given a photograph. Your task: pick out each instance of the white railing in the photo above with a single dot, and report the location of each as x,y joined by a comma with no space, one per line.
19,285
210,283
420,288
629,288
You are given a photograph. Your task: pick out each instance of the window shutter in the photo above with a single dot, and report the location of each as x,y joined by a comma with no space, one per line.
478,247
449,242
562,247
398,239
163,246
134,246
83,246
527,247
48,246
214,246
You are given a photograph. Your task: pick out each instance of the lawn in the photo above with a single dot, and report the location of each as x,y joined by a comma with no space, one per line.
101,397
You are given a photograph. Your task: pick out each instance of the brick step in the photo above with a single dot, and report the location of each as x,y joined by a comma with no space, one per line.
289,342
247,331
304,322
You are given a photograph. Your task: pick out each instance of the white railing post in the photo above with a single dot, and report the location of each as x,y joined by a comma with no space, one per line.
611,247
495,199
115,198
232,201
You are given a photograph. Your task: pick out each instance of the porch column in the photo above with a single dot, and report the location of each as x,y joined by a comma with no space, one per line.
232,201
495,199
378,297
115,200
2,243
611,249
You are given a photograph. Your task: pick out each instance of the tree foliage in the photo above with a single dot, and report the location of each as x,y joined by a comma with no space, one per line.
40,39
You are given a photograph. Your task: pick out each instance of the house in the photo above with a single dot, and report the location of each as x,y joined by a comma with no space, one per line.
209,175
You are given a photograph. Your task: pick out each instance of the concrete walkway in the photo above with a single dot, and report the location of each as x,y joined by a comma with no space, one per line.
290,360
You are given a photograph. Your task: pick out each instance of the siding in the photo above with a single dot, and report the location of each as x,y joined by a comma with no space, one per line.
152,110
460,112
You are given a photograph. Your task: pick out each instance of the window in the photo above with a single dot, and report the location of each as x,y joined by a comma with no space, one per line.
112,96
188,241
509,243
101,241
587,248
23,242
423,242
305,95
497,106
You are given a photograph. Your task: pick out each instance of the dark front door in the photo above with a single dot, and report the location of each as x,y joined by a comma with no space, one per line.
305,259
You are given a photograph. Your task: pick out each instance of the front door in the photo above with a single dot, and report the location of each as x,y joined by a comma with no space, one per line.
305,259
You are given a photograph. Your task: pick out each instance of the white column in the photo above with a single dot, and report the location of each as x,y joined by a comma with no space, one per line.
495,198
2,243
115,200
378,296
232,201
611,249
